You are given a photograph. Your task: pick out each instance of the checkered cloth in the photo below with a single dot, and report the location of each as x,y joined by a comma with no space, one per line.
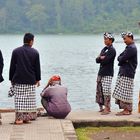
11,91
106,85
25,99
124,89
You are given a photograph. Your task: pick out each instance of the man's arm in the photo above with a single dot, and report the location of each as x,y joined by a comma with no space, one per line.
98,60
107,58
37,70
12,66
1,63
128,53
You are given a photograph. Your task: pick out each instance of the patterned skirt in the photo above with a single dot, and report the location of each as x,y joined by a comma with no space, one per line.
124,89
25,102
106,85
103,90
123,92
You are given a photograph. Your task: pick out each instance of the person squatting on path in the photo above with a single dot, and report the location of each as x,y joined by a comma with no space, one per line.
54,98
24,75
105,74
123,92
1,70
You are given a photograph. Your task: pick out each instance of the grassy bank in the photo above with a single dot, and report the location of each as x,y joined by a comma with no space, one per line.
112,133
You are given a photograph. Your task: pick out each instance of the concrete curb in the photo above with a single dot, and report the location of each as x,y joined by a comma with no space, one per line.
105,123
68,130
8,110
95,119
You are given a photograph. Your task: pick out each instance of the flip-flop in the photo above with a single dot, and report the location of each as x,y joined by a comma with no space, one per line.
27,122
123,113
105,113
44,115
101,110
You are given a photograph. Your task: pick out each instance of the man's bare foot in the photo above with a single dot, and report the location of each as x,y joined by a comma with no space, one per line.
18,122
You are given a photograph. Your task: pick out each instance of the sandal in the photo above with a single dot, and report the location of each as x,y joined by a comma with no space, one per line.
105,112
44,115
101,110
123,113
26,122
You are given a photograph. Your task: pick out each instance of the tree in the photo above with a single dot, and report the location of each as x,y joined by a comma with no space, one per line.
37,17
3,19
69,16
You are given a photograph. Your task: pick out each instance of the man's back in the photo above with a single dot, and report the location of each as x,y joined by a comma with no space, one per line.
25,65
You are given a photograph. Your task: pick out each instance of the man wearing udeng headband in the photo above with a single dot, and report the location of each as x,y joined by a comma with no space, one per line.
123,92
105,74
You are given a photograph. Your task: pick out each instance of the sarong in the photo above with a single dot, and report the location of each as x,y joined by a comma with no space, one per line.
124,89
103,90
25,102
123,92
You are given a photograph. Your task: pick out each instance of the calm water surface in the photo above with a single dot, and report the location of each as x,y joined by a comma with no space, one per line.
73,58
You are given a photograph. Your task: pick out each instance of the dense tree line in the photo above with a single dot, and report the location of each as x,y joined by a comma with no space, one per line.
69,16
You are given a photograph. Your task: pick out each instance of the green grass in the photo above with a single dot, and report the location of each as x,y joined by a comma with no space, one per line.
84,133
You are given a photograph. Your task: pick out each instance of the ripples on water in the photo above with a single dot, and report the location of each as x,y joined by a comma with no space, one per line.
73,58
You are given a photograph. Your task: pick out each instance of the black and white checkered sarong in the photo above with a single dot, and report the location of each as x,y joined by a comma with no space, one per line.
124,89
106,85
25,98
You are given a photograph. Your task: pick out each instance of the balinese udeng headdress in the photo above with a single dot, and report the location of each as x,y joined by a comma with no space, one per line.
55,78
108,35
130,34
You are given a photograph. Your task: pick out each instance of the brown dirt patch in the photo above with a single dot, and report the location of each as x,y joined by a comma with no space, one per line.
115,135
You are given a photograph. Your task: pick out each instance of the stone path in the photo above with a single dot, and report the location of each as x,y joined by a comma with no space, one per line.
43,128
46,128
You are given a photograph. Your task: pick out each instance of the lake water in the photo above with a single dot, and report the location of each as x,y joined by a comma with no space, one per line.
73,58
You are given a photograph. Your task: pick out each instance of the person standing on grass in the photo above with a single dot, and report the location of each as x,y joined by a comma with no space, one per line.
1,70
123,92
105,74
24,75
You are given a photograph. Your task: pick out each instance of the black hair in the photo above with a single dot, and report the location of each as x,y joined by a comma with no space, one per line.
112,39
28,37
132,37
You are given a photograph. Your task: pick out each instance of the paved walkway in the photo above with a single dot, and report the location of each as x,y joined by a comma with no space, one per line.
43,128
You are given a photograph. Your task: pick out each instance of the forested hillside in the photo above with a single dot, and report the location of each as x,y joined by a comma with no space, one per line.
69,16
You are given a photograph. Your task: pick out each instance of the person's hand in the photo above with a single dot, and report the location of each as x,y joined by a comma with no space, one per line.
12,83
37,83
48,84
102,57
